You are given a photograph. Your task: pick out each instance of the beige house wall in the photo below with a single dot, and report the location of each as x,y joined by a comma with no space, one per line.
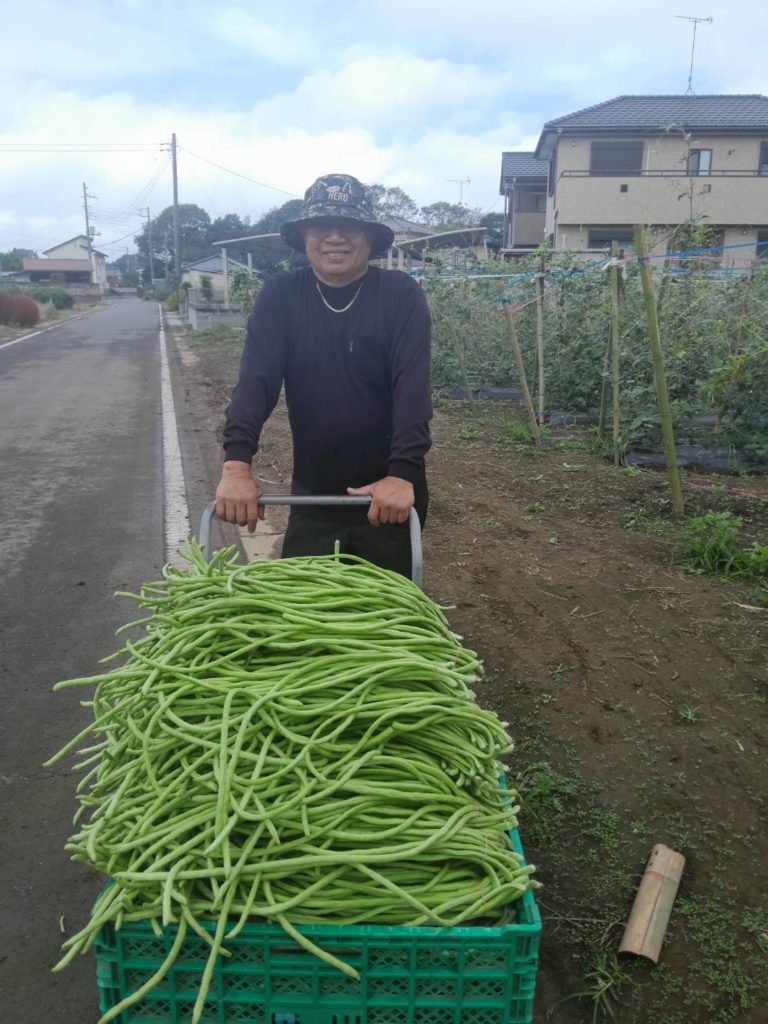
739,202
599,200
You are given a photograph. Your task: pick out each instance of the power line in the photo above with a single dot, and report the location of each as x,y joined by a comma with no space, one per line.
238,174
82,147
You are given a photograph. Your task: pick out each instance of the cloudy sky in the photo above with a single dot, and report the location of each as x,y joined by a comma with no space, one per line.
408,94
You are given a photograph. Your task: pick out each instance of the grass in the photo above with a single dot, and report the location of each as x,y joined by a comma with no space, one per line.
591,854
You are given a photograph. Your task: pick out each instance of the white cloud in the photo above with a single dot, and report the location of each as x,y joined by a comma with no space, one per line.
282,93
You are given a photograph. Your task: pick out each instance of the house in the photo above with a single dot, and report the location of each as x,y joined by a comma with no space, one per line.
210,267
524,187
658,160
76,249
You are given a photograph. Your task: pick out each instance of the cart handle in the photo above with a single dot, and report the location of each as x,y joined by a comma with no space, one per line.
417,568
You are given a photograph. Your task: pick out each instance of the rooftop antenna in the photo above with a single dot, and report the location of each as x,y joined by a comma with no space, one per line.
696,22
461,182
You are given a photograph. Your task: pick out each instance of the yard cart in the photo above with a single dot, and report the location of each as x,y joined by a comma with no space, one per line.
408,974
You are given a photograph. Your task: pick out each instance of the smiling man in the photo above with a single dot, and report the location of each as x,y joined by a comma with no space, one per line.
351,343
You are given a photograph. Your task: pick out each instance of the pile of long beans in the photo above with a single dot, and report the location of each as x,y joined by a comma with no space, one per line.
293,740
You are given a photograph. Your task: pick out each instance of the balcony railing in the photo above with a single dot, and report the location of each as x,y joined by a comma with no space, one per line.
678,173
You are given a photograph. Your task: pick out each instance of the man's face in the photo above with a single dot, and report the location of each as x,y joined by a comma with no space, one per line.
337,249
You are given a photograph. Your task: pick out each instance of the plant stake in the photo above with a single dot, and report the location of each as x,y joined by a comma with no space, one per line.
657,356
515,343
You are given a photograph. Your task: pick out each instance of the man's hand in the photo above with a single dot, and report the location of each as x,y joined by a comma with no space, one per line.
392,500
237,496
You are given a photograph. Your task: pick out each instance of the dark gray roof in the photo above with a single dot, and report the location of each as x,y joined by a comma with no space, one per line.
655,113
522,164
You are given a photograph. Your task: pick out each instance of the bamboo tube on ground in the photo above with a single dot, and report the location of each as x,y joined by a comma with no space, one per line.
657,356
517,351
649,917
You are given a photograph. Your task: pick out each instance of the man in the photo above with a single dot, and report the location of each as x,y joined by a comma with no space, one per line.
352,345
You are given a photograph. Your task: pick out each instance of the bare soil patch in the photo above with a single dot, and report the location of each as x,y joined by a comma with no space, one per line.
636,694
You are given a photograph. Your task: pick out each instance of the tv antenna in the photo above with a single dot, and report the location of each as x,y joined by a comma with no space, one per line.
696,22
461,182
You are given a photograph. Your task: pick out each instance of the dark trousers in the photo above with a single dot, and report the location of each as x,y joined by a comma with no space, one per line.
387,545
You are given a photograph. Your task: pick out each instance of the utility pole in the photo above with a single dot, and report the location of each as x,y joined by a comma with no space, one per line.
696,22
177,254
86,197
151,256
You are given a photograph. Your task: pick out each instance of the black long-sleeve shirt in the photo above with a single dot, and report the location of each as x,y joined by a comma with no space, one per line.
357,384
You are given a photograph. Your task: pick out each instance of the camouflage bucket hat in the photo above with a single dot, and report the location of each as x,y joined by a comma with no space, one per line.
338,195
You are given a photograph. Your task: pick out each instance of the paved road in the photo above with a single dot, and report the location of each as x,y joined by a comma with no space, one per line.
80,517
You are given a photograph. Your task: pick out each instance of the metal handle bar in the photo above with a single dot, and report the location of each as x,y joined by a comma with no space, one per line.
417,573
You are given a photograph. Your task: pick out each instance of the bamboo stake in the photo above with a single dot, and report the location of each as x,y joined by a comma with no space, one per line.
657,357
604,388
515,343
615,303
651,910
540,334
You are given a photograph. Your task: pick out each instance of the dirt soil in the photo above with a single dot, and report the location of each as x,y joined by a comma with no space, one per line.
636,694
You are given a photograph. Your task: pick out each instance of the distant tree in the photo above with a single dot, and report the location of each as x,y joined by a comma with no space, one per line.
494,222
271,222
194,224
11,260
391,202
443,216
229,226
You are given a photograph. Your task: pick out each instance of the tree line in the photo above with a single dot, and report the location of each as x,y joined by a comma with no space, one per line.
198,232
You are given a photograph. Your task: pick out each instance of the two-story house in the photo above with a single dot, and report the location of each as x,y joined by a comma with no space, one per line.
661,161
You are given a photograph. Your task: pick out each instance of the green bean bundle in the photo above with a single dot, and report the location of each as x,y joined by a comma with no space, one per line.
293,740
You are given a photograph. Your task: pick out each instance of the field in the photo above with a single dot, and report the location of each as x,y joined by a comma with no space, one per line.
635,691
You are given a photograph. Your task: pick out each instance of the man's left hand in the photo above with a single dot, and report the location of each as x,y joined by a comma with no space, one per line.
392,499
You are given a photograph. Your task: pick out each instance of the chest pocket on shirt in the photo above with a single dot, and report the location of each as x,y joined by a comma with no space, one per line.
369,357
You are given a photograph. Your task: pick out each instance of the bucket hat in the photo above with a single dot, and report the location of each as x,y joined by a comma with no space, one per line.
338,195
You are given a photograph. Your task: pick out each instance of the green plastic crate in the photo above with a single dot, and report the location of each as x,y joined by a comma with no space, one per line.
415,975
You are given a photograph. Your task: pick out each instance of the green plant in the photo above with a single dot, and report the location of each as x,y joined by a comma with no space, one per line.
60,297
712,545
206,287
172,301
688,714
604,982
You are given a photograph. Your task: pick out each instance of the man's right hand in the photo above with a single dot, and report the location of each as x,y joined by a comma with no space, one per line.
237,496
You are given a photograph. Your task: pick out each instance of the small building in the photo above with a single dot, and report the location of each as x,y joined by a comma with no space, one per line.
524,187
212,267
76,249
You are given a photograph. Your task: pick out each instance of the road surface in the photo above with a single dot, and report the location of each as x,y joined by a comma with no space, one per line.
81,515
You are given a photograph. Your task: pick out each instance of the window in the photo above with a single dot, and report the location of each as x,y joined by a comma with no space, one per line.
700,161
601,238
620,158
764,158
762,245
530,202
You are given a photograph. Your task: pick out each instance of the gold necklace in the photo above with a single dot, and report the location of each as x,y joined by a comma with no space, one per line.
333,308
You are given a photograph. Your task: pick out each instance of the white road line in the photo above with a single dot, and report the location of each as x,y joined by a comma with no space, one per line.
60,323
175,507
